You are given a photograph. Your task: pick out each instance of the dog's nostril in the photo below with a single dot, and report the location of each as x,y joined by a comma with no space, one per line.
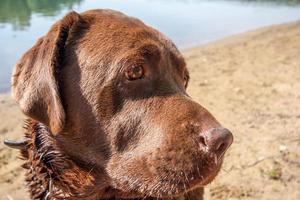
221,147
218,140
202,140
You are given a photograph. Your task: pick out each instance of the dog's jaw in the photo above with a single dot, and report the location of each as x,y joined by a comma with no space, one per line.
51,174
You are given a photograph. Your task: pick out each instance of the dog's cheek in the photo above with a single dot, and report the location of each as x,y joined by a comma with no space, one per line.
105,103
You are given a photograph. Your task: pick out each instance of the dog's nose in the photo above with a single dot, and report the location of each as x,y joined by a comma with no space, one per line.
217,140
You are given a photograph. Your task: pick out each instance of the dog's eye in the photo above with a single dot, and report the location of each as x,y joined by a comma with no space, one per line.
135,72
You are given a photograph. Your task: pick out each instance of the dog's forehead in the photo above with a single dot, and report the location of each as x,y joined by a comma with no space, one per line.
111,32
115,28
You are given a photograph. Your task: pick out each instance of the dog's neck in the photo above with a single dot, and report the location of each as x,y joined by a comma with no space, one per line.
50,174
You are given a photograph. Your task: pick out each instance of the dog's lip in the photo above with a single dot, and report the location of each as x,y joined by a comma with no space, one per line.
211,174
174,185
194,182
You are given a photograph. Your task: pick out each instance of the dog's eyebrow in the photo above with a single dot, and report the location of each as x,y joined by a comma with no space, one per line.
149,50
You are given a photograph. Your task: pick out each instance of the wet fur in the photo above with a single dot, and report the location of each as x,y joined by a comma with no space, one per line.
51,174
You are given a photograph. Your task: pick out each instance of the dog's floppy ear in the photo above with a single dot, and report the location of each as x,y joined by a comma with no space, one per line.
35,77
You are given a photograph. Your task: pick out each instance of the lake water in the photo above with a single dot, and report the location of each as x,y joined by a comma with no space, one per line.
187,22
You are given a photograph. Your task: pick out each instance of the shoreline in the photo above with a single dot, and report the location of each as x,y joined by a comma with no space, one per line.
234,36
251,83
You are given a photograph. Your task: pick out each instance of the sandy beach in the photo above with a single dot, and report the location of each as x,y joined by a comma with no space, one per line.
251,83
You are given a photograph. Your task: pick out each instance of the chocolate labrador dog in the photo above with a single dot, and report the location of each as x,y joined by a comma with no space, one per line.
109,116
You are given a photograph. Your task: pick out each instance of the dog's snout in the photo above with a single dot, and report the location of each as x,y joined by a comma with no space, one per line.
216,140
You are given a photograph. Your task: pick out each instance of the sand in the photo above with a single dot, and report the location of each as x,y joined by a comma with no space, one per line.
251,84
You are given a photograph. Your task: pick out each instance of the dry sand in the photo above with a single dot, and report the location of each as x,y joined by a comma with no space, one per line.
251,83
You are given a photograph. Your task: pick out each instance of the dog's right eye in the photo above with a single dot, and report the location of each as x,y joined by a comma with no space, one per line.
135,72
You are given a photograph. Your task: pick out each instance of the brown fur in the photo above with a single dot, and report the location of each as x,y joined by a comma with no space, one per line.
51,174
95,134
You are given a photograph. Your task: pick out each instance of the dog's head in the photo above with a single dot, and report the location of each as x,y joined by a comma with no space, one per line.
113,93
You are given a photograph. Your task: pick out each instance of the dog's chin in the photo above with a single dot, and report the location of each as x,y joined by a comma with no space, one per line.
173,186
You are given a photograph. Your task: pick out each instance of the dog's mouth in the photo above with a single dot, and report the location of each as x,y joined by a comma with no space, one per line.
171,183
